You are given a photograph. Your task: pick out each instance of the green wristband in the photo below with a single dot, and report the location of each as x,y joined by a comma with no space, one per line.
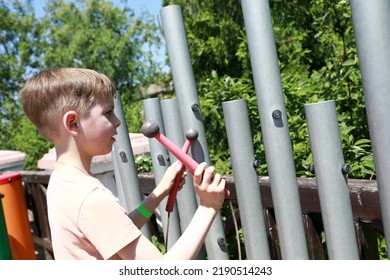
143,211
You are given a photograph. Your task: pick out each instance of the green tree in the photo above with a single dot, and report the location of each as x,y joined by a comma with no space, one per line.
29,141
96,34
318,61
215,36
317,58
18,34
80,33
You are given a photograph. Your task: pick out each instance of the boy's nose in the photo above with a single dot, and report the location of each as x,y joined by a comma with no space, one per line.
117,121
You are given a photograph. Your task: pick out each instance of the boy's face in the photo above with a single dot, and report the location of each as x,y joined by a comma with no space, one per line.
99,128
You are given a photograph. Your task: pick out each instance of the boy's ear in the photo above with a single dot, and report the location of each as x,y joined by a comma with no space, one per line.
70,121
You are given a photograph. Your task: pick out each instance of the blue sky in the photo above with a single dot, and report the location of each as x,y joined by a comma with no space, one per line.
153,6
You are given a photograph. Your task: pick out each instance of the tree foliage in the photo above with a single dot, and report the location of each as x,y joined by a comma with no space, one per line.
81,33
95,34
316,50
216,37
18,35
318,61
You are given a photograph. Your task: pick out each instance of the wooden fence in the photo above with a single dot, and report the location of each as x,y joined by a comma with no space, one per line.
363,194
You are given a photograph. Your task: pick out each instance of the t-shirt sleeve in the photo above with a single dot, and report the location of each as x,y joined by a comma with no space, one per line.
105,223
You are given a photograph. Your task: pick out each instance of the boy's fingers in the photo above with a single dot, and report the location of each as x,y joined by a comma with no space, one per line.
176,166
227,193
208,174
215,179
198,174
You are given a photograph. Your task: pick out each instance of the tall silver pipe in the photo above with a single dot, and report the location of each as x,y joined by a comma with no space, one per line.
331,175
274,127
190,111
186,198
246,179
125,171
371,21
160,161
183,78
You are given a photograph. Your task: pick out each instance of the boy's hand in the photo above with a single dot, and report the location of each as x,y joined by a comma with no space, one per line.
209,186
168,179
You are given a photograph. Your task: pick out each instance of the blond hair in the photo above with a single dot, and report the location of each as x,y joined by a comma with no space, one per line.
47,95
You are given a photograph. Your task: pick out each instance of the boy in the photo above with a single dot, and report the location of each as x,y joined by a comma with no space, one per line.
74,109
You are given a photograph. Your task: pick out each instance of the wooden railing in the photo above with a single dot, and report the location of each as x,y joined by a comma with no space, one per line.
364,202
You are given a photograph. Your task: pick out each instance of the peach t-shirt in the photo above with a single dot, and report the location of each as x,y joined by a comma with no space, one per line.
85,218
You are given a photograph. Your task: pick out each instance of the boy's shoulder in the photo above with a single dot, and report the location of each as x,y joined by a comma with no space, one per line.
73,181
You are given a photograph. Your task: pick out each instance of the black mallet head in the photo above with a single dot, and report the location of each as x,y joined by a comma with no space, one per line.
150,129
192,134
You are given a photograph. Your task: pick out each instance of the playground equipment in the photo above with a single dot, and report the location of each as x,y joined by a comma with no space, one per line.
5,250
152,130
16,217
371,21
191,136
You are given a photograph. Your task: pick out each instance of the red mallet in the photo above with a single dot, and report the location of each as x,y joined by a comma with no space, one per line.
191,136
152,130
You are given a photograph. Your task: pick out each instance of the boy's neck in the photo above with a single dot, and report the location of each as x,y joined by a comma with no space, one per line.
74,166
75,160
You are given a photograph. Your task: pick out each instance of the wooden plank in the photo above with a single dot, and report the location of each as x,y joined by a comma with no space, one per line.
273,238
315,249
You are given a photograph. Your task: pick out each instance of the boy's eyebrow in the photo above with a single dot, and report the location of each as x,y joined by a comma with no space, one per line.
109,108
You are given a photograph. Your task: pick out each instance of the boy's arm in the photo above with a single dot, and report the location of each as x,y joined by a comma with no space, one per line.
186,248
189,244
150,203
211,191
157,195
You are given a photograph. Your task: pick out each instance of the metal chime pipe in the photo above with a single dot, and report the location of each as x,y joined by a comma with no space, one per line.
186,198
371,21
331,175
161,163
126,176
274,127
190,111
246,179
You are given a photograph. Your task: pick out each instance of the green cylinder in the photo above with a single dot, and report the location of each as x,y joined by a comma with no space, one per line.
5,250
